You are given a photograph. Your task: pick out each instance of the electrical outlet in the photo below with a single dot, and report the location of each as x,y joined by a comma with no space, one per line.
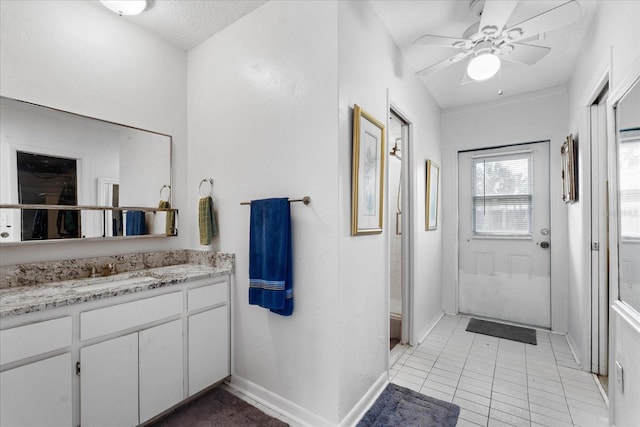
620,376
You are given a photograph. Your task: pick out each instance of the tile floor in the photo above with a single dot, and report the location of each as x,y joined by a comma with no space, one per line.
498,382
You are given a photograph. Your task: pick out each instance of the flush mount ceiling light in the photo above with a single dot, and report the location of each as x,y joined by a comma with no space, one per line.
125,7
485,64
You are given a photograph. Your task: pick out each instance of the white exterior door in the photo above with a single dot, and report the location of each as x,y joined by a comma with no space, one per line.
504,234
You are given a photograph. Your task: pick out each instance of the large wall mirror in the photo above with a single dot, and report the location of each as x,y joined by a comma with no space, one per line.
51,158
627,113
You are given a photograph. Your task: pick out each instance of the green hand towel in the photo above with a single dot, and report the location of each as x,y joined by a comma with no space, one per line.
171,218
206,220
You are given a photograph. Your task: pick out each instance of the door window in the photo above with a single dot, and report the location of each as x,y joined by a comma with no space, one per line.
502,195
629,167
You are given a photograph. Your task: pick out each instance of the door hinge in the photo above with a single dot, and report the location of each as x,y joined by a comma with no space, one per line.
595,246
78,368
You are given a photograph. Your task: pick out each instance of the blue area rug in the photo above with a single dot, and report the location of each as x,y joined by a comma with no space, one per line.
399,406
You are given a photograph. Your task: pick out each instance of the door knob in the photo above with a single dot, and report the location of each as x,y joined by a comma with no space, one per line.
544,245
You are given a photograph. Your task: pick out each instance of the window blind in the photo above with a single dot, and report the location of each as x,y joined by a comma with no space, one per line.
502,195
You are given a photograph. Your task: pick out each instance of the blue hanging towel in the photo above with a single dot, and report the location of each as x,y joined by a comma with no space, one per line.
270,261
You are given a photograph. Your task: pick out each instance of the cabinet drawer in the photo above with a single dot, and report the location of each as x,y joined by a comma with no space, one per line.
207,296
34,339
129,315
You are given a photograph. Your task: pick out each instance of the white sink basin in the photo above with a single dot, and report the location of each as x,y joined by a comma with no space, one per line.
107,283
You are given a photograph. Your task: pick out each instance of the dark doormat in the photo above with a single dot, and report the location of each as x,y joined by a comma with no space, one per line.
500,330
218,407
399,406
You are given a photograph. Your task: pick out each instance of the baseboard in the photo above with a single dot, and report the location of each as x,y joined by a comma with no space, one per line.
602,392
363,405
289,409
429,327
572,347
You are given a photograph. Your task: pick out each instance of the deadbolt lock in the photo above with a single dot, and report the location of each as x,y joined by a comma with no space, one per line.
544,245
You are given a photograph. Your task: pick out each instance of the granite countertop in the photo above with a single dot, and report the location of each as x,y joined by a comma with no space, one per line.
27,299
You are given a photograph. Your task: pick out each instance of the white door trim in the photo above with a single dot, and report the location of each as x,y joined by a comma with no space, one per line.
597,195
408,209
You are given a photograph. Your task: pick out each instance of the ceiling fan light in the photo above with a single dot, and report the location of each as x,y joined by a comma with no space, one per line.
125,7
483,66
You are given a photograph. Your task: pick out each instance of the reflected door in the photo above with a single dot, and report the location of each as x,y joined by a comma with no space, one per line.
48,180
504,234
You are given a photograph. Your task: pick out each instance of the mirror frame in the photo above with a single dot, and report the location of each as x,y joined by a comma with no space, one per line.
105,209
617,95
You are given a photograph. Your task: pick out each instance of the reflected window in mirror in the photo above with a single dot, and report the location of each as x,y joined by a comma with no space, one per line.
628,159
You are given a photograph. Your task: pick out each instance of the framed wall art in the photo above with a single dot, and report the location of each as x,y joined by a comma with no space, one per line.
431,196
569,170
367,183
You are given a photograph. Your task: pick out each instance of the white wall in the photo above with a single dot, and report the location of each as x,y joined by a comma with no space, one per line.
271,116
77,56
531,117
612,43
144,167
40,132
370,63
263,97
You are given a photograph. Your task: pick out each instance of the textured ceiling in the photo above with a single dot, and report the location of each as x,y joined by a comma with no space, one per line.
408,20
187,23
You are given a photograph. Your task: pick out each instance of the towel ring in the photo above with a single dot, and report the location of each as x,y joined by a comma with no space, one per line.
169,196
210,181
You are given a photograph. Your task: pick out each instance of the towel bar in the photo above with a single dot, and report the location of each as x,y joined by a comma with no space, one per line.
306,200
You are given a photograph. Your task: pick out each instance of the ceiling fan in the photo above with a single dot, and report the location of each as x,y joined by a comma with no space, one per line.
489,41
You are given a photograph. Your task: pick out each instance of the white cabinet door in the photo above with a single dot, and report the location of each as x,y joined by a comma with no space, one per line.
161,368
37,394
109,383
208,348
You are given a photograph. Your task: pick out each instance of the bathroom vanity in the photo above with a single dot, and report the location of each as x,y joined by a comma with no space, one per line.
114,350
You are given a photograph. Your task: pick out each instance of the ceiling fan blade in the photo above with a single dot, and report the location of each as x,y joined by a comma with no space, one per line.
565,14
440,41
442,64
496,13
527,54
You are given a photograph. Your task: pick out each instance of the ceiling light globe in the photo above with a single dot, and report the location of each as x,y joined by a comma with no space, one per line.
483,66
125,7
